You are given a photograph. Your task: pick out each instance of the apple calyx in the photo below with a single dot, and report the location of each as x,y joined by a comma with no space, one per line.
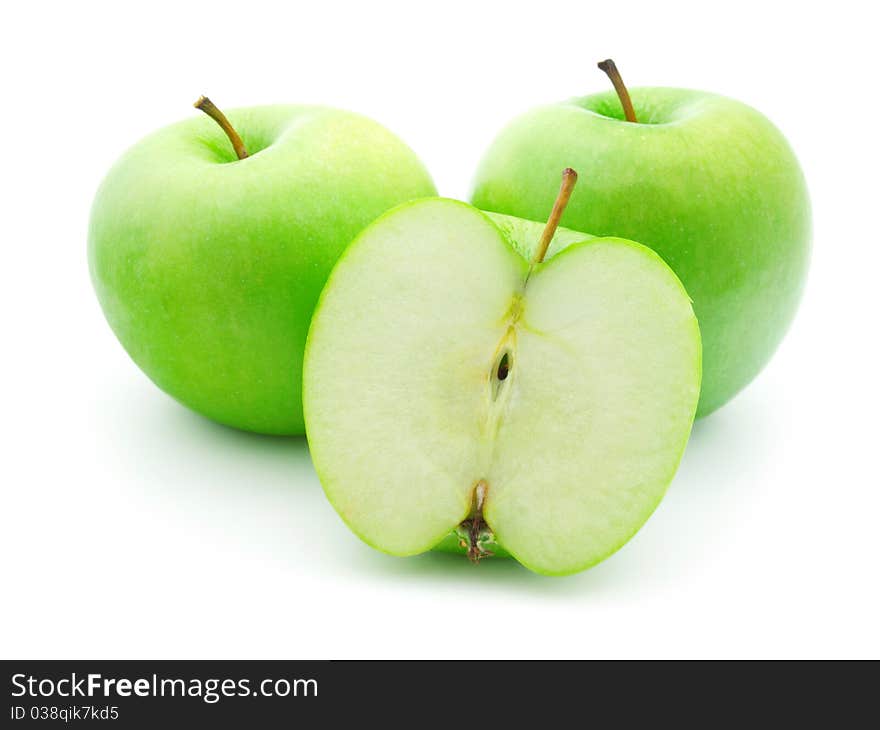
474,534
610,68
204,104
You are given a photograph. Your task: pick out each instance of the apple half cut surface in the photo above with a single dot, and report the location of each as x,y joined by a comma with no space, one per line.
451,388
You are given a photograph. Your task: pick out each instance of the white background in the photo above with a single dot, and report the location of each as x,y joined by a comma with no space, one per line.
132,528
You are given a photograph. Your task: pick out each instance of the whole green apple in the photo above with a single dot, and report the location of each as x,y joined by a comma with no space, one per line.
706,181
208,250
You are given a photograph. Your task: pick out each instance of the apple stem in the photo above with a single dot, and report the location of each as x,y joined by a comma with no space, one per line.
569,178
206,105
609,67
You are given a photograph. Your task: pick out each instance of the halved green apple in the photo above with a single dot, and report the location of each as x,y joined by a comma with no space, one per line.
457,394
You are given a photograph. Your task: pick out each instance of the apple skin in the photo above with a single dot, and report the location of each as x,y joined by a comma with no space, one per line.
706,181
208,267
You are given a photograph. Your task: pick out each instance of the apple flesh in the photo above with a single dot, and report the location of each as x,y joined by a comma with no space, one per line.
450,386
707,182
208,267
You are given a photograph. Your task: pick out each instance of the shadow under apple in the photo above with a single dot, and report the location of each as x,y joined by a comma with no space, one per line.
270,485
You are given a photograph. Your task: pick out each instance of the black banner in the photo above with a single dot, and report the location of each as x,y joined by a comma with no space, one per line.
255,694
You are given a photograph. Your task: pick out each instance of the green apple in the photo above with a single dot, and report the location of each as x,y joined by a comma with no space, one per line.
208,266
458,395
707,182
